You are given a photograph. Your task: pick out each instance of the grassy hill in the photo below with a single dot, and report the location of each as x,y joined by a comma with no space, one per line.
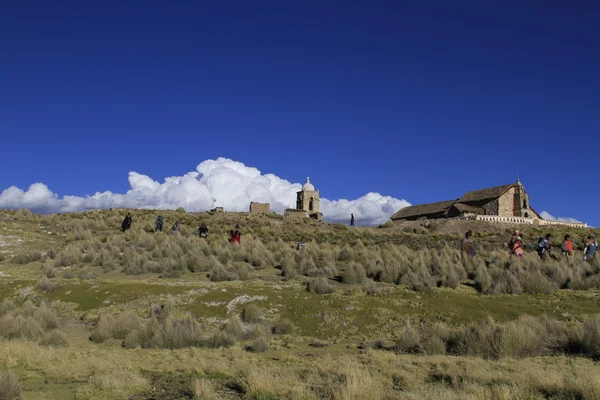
383,312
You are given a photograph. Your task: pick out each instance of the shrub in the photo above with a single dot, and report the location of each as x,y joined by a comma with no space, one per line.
26,257
161,311
48,271
176,333
46,286
20,327
251,314
46,316
220,274
6,307
371,288
282,327
54,339
353,274
409,341
68,256
259,345
218,339
117,327
9,386
51,254
234,327
320,286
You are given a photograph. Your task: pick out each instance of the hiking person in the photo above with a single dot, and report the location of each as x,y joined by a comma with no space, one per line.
567,247
176,228
235,235
591,245
543,246
203,230
513,239
159,223
468,246
351,219
517,249
301,245
126,222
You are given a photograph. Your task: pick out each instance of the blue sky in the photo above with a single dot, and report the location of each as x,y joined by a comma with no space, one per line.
414,101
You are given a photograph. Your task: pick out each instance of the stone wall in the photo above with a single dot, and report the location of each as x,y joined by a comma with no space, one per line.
491,207
256,208
295,214
304,198
506,204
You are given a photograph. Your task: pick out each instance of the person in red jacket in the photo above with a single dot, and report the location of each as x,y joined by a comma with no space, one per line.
567,247
517,249
235,235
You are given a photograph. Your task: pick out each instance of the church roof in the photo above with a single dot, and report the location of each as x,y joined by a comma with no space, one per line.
485,194
423,209
308,186
464,208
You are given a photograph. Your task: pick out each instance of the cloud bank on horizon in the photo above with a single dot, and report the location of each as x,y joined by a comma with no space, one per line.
547,216
233,185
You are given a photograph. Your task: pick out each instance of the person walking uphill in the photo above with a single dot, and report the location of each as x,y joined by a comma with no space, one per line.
351,219
159,223
567,247
543,246
517,249
203,230
126,222
468,246
513,239
591,245
235,235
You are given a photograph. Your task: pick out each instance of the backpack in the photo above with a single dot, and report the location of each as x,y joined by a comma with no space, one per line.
540,244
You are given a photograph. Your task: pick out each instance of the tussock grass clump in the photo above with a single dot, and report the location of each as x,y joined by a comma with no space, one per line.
320,286
27,322
6,307
251,314
282,327
68,256
205,389
164,330
2,257
46,285
54,339
353,274
48,271
9,386
260,345
117,327
526,336
19,327
26,257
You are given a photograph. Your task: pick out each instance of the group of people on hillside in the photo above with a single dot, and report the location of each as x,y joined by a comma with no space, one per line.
543,247
159,223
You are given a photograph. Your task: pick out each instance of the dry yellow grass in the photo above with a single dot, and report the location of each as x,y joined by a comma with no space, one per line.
204,389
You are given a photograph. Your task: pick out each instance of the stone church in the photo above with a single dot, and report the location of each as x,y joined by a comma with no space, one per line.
307,203
503,201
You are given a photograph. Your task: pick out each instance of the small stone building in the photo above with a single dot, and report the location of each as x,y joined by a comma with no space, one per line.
308,203
505,201
258,208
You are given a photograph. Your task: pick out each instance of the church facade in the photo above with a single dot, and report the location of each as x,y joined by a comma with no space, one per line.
308,203
509,200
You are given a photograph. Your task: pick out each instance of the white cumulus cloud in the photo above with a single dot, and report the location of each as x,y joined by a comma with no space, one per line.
233,185
547,216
